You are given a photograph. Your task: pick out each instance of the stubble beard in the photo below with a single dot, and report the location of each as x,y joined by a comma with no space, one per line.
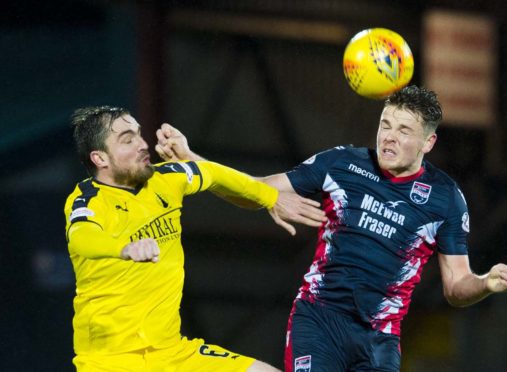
133,178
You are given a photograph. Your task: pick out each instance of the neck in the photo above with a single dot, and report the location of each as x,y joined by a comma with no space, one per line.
403,176
110,181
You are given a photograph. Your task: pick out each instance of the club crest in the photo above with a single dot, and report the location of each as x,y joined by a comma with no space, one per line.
303,364
420,193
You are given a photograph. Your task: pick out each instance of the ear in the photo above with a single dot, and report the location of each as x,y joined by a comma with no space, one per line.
100,159
430,142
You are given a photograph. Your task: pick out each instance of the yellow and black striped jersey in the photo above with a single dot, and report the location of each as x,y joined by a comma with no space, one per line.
124,305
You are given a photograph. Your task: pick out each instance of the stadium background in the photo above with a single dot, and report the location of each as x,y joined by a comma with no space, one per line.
254,84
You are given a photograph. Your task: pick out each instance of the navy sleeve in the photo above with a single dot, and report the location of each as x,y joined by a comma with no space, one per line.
308,177
452,235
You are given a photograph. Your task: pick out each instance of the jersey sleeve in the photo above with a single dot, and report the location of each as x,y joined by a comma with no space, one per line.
184,175
230,182
308,177
452,235
90,241
86,214
192,177
84,205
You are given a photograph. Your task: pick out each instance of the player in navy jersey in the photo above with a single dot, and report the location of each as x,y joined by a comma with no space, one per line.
388,211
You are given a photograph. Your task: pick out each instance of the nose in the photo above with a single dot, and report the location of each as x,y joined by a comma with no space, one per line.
389,136
143,145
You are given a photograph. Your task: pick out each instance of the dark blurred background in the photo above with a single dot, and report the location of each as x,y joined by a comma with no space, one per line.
257,85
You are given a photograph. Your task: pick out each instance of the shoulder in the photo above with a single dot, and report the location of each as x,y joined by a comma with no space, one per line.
189,167
342,150
184,171
441,179
79,204
438,176
84,192
340,153
357,159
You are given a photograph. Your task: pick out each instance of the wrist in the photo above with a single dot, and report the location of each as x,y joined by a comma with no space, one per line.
124,253
488,284
194,157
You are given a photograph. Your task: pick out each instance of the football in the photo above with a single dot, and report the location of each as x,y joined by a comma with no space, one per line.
377,62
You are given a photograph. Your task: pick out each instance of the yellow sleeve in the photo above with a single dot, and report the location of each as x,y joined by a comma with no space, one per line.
88,240
230,182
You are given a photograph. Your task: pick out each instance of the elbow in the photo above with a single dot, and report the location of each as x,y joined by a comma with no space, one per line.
454,300
264,180
459,301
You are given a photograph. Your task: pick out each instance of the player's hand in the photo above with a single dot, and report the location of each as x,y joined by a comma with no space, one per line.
172,145
144,250
291,207
497,278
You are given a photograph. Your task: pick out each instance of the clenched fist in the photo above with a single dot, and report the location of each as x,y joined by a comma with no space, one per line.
144,250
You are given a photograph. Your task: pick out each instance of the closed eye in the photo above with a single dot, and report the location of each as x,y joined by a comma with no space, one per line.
127,136
127,139
406,131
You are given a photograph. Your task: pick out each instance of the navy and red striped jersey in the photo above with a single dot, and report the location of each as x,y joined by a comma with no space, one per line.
381,231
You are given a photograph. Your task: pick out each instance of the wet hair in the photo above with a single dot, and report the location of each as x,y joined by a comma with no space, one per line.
420,101
91,128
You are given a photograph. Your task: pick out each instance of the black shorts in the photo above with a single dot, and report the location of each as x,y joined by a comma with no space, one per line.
322,340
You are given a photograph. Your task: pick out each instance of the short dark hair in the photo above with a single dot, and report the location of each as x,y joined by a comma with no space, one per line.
91,128
421,101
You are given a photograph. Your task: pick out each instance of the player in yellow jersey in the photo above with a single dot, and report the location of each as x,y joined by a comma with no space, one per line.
124,239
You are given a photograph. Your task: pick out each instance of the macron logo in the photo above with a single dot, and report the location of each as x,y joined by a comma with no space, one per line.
354,168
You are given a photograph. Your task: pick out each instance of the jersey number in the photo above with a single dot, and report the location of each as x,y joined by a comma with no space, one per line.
205,350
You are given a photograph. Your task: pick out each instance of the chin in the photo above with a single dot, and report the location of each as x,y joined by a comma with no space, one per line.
140,177
386,165
147,172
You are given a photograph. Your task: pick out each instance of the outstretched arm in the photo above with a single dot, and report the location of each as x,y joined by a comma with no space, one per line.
295,208
238,186
291,207
462,287
173,146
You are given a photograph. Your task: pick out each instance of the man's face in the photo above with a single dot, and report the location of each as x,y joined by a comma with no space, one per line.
402,141
127,153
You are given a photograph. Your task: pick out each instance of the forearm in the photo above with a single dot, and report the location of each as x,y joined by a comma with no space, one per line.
467,291
237,201
223,192
278,181
238,187
88,240
192,156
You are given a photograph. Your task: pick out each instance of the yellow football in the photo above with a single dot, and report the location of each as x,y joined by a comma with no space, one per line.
377,62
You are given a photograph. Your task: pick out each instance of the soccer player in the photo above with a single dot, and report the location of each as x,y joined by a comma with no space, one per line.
124,239
388,212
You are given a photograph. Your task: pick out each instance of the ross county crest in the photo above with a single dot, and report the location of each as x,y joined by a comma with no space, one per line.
420,193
